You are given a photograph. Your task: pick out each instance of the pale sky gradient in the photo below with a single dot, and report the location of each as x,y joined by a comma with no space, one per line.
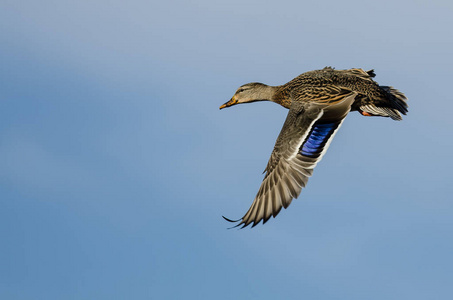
116,164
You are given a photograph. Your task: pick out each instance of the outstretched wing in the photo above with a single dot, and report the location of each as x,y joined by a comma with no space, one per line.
302,142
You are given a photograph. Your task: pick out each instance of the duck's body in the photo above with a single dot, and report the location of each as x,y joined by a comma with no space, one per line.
328,85
318,101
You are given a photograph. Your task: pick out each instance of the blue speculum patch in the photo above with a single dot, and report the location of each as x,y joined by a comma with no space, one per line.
318,137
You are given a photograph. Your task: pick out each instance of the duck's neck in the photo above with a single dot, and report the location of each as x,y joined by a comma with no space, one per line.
281,96
278,94
263,92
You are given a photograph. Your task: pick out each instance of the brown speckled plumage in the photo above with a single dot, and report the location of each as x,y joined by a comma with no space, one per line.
318,102
282,96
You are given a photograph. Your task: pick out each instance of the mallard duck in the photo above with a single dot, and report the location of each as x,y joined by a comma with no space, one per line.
318,102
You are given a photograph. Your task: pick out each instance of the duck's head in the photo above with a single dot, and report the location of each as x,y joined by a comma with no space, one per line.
250,92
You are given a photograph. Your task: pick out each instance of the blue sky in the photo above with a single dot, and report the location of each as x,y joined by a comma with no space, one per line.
116,163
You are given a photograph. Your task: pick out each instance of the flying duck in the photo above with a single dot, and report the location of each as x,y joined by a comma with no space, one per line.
318,102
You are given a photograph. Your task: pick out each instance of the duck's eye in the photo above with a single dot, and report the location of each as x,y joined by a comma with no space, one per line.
241,90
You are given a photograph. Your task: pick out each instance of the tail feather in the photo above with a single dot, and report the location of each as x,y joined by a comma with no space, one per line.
373,110
394,106
397,99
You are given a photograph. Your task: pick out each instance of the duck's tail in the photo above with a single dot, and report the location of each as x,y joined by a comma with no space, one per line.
393,107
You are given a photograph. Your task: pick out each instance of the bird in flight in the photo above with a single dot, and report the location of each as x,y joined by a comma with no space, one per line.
318,102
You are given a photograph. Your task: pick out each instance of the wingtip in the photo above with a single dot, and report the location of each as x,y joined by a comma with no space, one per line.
371,73
229,220
254,224
233,221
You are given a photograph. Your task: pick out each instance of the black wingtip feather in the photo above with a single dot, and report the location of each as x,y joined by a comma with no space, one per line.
229,220
371,73
234,221
254,224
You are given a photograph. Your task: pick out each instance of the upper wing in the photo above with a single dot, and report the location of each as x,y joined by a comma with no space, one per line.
301,144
